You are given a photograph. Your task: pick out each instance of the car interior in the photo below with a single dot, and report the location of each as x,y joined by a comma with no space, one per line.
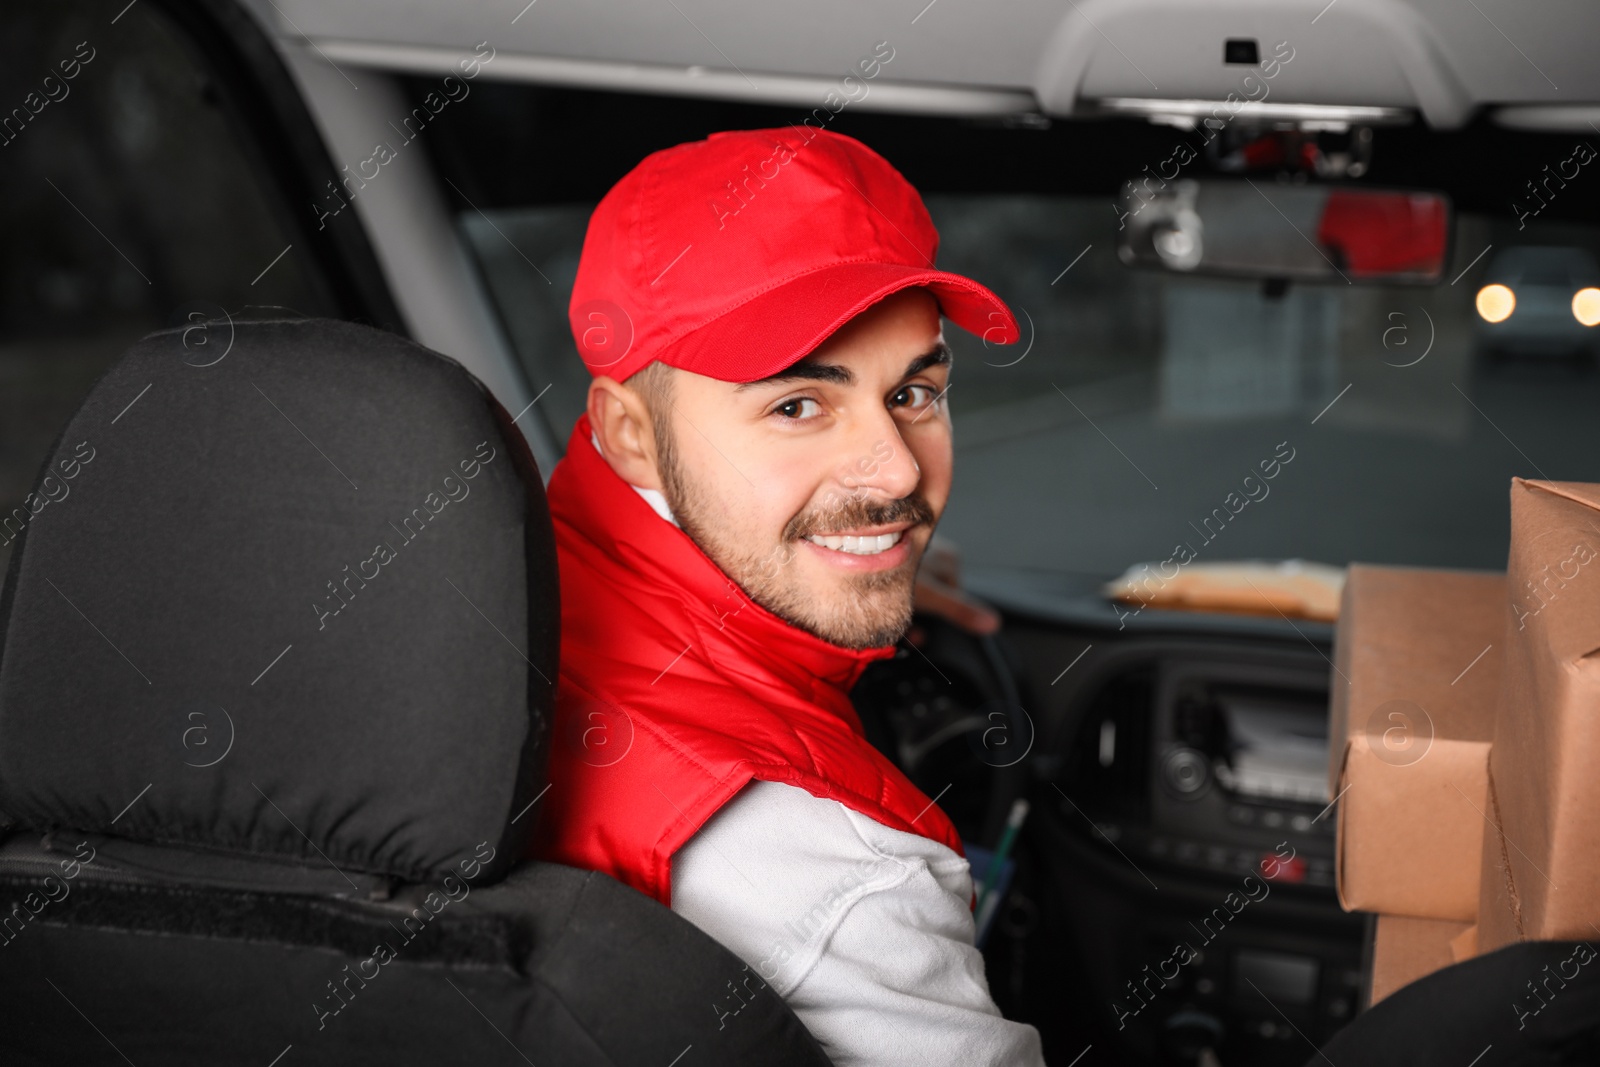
202,213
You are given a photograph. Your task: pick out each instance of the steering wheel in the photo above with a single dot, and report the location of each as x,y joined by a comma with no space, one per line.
951,713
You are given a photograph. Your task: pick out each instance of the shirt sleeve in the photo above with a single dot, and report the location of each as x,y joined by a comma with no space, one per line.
864,930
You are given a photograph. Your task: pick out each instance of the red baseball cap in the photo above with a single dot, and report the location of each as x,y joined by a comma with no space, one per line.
735,256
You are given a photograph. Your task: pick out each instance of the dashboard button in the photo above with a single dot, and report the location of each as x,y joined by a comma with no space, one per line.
1278,870
1185,772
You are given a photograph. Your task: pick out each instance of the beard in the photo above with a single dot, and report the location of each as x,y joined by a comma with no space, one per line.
865,610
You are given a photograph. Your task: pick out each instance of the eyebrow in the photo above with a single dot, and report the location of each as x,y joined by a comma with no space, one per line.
812,371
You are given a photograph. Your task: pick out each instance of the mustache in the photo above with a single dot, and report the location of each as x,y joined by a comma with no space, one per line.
854,512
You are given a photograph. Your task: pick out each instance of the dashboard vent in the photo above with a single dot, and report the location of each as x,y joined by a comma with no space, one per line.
1108,767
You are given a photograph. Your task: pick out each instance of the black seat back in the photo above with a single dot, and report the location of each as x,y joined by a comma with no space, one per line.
1533,1004
277,651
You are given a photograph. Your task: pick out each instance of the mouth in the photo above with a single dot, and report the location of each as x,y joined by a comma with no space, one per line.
865,541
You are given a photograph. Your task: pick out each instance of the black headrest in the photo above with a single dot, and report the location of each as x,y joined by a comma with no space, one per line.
287,591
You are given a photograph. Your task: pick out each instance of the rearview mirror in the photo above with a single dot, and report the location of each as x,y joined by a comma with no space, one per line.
1259,229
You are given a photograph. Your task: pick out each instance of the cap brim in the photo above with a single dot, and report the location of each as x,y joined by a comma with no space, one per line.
784,324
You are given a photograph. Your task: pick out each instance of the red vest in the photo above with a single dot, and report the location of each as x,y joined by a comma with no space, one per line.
676,689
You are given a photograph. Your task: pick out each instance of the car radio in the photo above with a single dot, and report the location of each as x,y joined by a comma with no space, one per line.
1240,758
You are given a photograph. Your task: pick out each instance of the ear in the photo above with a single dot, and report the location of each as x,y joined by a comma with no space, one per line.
621,420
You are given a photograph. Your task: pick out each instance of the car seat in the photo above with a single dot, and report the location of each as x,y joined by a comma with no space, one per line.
1533,1004
277,648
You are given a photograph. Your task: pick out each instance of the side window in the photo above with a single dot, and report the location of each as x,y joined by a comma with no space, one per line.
127,204
528,257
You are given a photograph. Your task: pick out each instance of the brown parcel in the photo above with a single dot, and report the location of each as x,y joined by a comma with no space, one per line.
1541,860
1412,783
1406,949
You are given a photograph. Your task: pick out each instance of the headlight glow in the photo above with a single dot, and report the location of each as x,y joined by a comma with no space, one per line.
1586,306
1496,303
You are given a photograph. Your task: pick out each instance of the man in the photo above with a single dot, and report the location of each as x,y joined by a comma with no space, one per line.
739,516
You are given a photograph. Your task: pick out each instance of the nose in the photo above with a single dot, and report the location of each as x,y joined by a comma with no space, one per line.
878,463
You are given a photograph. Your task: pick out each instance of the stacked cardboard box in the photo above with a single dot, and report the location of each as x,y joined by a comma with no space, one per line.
1464,736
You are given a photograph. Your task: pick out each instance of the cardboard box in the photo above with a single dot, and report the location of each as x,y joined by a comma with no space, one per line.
1405,949
1415,690
1541,860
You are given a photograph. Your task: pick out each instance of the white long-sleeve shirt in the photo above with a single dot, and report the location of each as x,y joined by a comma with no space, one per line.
864,930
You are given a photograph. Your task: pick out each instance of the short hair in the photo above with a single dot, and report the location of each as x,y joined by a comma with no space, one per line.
653,383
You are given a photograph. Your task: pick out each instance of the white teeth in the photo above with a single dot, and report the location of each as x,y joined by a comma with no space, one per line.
859,546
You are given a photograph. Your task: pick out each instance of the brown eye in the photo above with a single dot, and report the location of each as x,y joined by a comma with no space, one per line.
796,409
915,397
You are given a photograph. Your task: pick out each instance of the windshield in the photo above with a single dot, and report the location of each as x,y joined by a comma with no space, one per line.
1144,410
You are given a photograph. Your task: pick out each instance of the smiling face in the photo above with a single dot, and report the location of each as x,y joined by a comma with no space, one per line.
816,490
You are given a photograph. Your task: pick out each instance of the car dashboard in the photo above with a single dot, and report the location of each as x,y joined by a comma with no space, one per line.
1174,898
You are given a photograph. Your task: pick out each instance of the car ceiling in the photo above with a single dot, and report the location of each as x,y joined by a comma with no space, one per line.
1442,58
